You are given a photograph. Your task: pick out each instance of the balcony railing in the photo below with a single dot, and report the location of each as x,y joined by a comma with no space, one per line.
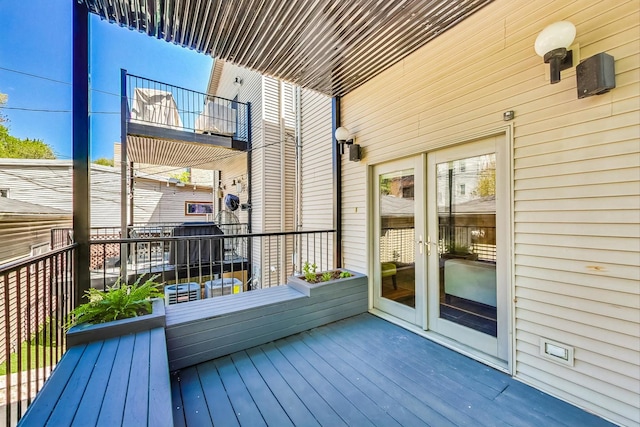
257,260
163,105
37,295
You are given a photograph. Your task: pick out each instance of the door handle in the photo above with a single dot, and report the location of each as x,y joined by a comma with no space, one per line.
428,245
420,243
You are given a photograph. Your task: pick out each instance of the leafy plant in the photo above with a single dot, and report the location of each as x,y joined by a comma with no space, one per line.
121,301
454,248
309,274
309,271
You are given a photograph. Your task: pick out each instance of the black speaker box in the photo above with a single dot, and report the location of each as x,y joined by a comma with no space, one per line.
354,153
595,75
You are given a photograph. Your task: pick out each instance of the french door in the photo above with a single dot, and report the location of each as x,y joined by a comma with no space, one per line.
399,271
442,243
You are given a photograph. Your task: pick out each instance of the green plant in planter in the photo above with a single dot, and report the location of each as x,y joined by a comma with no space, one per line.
309,274
121,301
454,248
309,271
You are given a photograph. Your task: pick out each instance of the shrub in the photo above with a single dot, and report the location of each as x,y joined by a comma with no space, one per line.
121,301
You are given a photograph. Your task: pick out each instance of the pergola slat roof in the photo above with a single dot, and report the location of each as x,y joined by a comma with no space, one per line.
331,46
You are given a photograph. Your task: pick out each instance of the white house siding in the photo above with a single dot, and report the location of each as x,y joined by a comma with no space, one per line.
250,91
20,233
155,202
316,140
48,183
233,168
278,163
575,180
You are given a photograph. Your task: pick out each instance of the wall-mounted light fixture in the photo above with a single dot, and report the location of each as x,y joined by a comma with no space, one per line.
238,185
344,137
237,82
552,44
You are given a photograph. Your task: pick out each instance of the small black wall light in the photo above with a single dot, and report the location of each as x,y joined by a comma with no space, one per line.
552,44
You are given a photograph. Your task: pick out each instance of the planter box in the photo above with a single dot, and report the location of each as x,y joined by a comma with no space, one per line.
215,327
83,334
311,289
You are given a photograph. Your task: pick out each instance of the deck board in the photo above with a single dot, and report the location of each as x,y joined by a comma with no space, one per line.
266,402
77,385
293,405
88,409
404,407
193,399
365,371
246,410
320,409
138,391
113,406
220,409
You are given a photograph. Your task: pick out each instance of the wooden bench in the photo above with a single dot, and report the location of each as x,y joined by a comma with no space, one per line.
207,329
122,381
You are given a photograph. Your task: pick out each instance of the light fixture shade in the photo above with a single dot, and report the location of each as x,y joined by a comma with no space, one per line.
342,134
555,36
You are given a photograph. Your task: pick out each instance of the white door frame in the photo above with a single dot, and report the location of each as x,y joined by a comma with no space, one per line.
412,315
494,346
506,272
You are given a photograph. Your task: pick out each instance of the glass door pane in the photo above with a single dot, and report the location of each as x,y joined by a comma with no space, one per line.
466,215
397,241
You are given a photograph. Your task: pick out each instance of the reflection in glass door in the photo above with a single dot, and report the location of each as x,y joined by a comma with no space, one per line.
397,230
466,207
468,224
399,250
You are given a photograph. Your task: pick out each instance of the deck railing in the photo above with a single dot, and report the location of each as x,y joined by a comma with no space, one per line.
258,260
37,295
160,104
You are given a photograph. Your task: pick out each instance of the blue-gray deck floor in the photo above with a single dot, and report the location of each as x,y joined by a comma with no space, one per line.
362,371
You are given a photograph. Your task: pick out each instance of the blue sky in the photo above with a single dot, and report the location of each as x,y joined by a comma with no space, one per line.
35,38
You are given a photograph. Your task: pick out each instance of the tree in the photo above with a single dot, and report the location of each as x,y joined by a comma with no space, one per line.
486,181
16,148
104,161
184,176
3,100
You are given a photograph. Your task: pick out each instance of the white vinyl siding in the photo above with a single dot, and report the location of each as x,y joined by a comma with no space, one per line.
316,141
155,202
249,91
48,183
19,233
317,169
576,186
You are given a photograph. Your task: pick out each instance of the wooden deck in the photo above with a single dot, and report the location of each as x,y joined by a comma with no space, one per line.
361,371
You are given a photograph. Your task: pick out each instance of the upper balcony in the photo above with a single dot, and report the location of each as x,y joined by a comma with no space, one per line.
164,121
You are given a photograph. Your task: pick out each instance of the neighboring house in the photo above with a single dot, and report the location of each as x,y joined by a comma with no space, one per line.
25,228
291,172
48,182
